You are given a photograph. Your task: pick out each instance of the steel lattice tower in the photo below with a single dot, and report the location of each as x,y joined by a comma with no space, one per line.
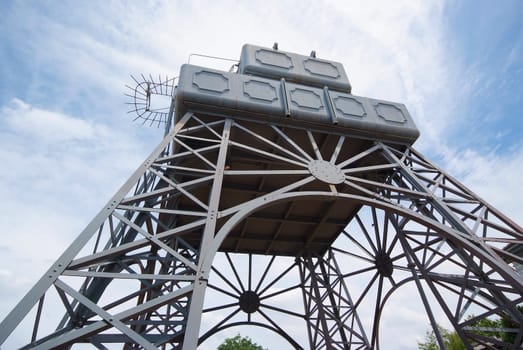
275,181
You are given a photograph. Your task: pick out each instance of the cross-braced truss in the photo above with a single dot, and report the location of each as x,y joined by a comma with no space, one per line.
339,210
333,321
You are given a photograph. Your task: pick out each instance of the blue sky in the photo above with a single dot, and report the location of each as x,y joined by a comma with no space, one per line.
67,143
488,43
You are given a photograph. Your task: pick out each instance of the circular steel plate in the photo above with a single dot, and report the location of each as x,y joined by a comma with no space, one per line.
326,172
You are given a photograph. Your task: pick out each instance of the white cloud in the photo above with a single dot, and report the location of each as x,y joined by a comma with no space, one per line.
57,173
493,176
48,126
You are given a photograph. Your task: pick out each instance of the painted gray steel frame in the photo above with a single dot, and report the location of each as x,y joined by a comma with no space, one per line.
163,230
330,325
417,191
224,184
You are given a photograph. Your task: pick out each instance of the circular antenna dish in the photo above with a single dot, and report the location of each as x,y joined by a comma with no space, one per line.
151,99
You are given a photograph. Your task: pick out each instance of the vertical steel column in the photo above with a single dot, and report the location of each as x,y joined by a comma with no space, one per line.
337,324
202,276
344,291
314,304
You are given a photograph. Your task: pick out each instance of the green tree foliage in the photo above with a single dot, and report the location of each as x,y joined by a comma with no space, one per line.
508,323
454,342
486,327
430,343
239,343
451,339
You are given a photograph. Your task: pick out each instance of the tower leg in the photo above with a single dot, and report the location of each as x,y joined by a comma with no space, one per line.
195,310
332,320
114,221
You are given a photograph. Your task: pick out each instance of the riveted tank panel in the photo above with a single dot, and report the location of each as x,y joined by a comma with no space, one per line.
307,70
205,90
